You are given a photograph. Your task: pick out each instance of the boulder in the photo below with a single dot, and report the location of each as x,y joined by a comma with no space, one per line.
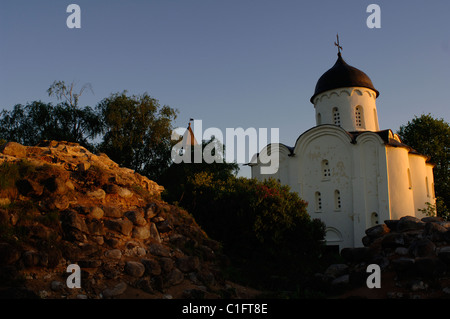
117,290
377,231
122,226
14,149
393,240
422,248
336,270
409,223
141,232
134,269
188,263
136,217
152,267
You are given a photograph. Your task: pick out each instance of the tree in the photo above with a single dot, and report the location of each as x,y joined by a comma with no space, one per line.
66,121
175,178
264,228
431,136
137,132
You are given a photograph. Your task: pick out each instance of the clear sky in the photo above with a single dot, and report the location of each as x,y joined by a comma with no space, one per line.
230,63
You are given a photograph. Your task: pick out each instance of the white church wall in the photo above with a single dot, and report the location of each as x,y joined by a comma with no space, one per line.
400,195
346,101
327,187
370,184
419,180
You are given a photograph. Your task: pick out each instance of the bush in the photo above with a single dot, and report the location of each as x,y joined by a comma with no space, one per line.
264,227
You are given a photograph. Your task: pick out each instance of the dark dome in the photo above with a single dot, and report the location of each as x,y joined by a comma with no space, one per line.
342,75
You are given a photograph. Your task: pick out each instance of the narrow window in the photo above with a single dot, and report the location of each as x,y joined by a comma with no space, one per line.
374,219
337,200
318,202
426,184
336,116
358,116
409,179
319,119
326,173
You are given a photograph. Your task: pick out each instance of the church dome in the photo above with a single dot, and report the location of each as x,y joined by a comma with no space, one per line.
342,75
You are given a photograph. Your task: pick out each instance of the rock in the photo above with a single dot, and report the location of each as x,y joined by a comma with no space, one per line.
145,284
403,251
57,285
14,149
95,227
154,233
175,277
116,291
97,194
89,263
429,267
152,267
393,240
167,265
377,231
141,232
30,258
29,188
113,212
43,294
150,211
392,224
341,280
336,270
422,248
136,217
134,269
113,253
403,264
188,263
96,212
194,294
159,250
432,219
58,203
164,226
124,192
417,285
434,231
122,226
56,185
409,223
83,167
71,219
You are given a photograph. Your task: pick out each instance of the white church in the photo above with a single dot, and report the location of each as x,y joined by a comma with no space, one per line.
352,174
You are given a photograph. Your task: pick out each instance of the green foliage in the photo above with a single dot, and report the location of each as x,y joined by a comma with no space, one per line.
137,132
431,136
39,121
264,227
134,131
175,178
10,173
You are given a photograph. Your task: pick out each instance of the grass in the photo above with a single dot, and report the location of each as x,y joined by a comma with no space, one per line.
10,173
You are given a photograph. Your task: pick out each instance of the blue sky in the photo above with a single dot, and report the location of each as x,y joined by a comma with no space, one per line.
230,63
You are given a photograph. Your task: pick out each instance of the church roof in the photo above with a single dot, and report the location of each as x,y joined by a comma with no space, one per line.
342,75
